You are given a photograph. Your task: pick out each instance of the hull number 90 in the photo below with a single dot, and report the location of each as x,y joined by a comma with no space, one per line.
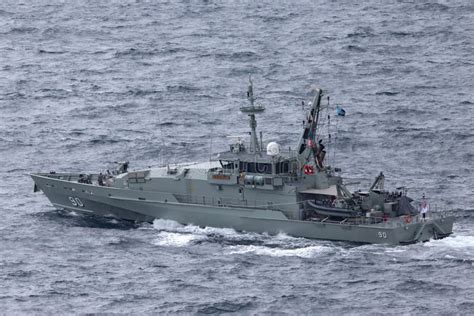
382,234
75,201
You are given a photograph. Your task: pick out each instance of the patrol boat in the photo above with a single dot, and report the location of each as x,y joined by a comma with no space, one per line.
254,188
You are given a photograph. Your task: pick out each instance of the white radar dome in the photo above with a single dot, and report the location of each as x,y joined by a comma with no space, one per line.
273,149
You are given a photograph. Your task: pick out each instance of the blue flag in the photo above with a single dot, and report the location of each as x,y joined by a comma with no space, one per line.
340,111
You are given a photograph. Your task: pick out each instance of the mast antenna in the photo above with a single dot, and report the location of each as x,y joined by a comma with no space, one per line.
161,159
211,138
329,131
251,111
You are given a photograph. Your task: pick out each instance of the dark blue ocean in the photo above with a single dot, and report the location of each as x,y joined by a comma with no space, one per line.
87,83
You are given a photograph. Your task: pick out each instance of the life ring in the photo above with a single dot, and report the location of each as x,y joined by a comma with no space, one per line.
308,169
408,219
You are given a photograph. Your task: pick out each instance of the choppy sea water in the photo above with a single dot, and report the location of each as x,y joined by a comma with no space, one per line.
85,84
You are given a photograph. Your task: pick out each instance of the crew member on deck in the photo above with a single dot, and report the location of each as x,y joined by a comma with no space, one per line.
424,207
100,179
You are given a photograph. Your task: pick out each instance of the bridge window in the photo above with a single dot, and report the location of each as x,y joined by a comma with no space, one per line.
257,167
282,167
229,165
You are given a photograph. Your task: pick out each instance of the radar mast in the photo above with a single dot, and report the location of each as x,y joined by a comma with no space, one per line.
251,111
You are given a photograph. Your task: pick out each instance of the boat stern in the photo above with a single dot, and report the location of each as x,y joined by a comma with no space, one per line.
436,226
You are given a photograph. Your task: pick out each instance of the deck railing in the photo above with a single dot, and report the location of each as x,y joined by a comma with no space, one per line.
223,202
401,220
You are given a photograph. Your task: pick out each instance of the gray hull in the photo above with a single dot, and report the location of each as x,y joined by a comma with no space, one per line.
146,206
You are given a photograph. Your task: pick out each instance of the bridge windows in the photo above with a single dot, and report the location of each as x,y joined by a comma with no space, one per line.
255,167
282,167
227,165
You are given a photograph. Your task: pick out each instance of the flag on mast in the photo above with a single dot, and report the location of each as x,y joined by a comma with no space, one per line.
340,111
